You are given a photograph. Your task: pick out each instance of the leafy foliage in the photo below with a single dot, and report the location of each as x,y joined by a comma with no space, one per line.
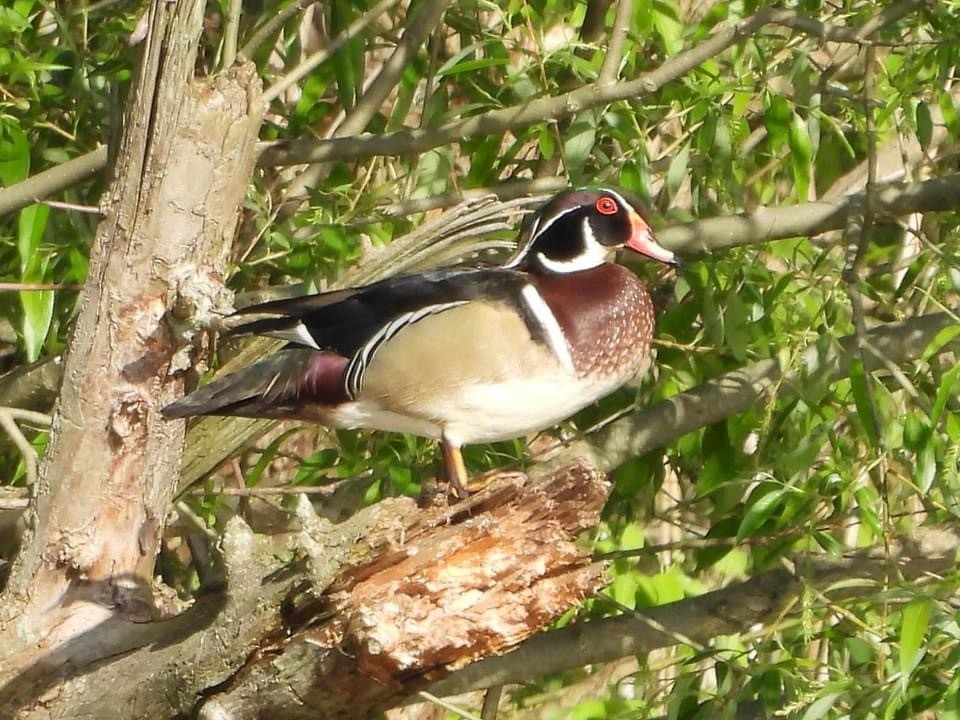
779,119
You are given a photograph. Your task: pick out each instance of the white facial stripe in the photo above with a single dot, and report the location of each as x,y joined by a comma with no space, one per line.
535,232
593,255
620,199
548,323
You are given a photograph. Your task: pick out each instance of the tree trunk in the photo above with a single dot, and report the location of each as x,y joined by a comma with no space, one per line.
106,482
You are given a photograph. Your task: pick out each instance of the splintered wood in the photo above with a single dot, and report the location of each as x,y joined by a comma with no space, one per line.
441,589
490,577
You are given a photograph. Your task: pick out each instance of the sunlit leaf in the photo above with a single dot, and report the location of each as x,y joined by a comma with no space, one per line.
924,125
759,512
821,706
14,152
801,154
913,632
578,145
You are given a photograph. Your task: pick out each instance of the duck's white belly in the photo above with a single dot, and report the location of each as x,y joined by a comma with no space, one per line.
485,411
485,381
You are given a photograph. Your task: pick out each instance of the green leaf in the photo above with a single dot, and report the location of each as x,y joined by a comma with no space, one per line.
913,631
950,116
632,538
821,706
643,18
546,142
926,467
37,315
471,66
14,152
861,398
722,144
348,62
939,341
678,169
579,145
736,324
623,589
668,27
37,305
31,224
589,710
801,154
944,393
759,512
777,116
12,20
924,124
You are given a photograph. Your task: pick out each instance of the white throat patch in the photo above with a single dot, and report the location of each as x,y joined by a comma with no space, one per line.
594,254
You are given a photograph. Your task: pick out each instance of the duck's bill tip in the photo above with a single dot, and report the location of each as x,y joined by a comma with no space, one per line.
643,242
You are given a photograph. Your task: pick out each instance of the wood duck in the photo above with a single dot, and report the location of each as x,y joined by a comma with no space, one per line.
466,355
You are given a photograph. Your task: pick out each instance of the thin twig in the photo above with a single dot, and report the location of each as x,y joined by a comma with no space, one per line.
418,28
491,702
324,54
610,69
14,498
447,705
857,35
503,191
230,32
858,239
32,287
271,26
8,417
499,121
266,491
86,209
50,181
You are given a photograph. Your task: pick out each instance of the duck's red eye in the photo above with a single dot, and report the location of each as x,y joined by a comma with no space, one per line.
606,206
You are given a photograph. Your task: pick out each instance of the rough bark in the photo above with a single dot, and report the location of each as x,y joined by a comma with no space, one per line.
441,589
411,595
107,480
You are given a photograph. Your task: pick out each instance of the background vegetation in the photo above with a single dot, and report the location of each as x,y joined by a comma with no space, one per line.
826,470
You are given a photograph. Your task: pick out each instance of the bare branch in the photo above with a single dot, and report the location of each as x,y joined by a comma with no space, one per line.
858,35
496,122
8,418
230,33
734,609
36,287
45,183
618,37
807,219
